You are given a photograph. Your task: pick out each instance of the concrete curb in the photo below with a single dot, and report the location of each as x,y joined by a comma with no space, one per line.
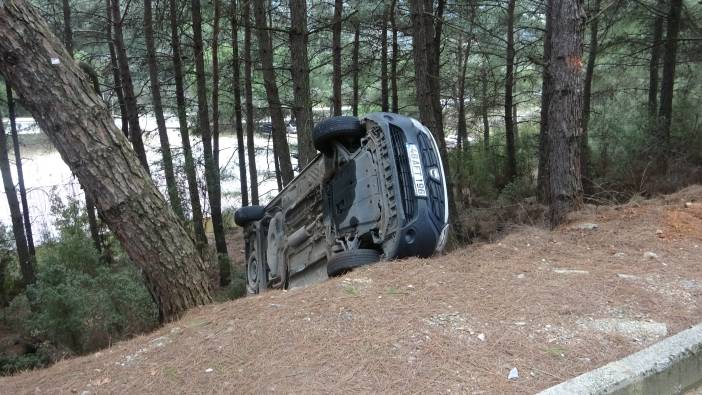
667,367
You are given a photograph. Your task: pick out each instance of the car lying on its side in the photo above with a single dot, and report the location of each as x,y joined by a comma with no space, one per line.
375,191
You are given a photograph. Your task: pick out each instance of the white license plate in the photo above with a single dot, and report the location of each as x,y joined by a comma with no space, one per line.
416,169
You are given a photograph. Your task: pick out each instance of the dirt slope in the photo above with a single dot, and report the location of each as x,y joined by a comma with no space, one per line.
551,304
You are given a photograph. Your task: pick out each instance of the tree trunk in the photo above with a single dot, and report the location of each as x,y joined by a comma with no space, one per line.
511,165
67,30
211,170
190,172
665,113
80,127
654,65
127,86
236,88
336,61
461,127
248,91
20,173
115,73
171,184
215,91
265,48
355,67
395,107
384,100
587,96
565,108
484,107
300,72
463,56
25,259
543,188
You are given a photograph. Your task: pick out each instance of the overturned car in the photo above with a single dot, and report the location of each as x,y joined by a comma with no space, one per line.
375,191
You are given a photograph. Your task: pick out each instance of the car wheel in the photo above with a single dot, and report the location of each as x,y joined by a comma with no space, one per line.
345,261
248,214
256,275
334,129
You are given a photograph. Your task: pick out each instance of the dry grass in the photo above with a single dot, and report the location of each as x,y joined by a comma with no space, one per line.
418,325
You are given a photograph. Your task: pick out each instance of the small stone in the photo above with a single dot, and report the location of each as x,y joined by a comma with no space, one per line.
570,271
659,233
176,330
587,226
627,276
520,323
209,370
481,337
620,255
520,275
410,286
513,374
650,255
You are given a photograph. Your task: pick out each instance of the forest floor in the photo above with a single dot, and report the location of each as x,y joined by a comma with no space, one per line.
553,304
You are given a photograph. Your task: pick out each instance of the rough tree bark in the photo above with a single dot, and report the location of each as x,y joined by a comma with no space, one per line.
236,91
20,173
336,60
25,260
80,127
248,92
211,169
127,85
300,72
511,157
265,49
171,185
190,173
587,96
565,70
665,113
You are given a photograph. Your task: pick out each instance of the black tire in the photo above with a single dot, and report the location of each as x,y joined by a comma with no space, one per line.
336,128
256,275
248,214
345,261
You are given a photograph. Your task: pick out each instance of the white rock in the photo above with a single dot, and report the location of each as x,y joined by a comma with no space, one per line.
570,271
209,370
481,337
520,275
587,226
513,374
650,255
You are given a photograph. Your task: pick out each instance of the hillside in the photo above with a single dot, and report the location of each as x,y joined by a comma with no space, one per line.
551,304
